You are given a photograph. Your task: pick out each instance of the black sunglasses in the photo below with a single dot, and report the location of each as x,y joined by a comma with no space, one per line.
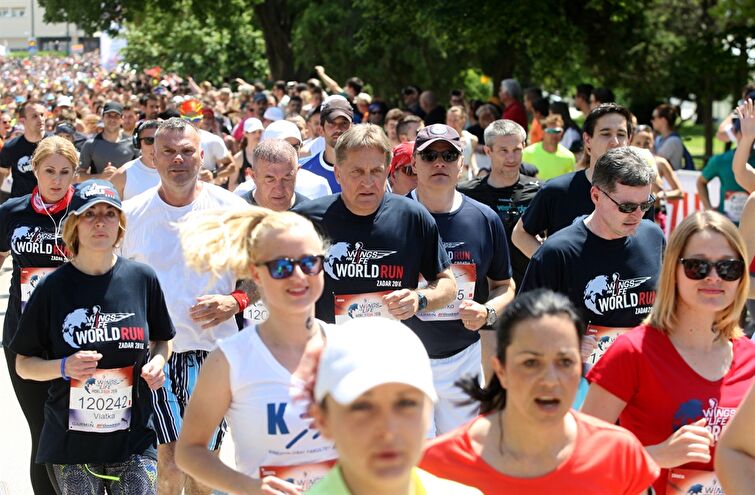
698,269
448,156
281,268
408,171
631,207
148,140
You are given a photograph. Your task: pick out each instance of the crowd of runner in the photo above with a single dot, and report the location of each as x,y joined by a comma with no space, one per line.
425,296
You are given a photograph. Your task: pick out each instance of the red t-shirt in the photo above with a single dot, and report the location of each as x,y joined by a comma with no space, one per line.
662,392
515,111
606,460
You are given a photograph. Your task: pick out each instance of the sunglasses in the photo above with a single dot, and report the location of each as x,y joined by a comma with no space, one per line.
281,268
553,130
449,156
148,140
698,269
408,171
631,207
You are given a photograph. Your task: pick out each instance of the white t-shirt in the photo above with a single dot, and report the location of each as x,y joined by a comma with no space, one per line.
307,184
266,422
314,146
152,238
214,148
139,178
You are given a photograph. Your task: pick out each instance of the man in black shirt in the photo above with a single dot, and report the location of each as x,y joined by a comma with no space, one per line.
506,190
15,157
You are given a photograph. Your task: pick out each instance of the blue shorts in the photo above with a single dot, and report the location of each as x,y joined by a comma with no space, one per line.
170,401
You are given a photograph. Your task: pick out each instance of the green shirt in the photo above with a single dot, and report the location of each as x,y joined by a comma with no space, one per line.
549,165
423,483
732,197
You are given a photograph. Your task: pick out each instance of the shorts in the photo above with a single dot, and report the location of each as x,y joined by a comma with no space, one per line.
137,474
450,412
170,401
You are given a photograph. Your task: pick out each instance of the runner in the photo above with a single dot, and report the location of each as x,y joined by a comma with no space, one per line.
377,415
15,156
735,456
102,348
140,174
475,242
527,440
253,377
30,234
676,380
242,160
336,117
107,151
202,308
274,173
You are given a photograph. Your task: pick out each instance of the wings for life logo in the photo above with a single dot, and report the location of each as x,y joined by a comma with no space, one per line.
34,240
611,292
88,326
693,410
345,260
98,190
24,165
456,254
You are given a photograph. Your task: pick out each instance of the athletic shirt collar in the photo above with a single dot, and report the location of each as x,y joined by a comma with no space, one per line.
38,204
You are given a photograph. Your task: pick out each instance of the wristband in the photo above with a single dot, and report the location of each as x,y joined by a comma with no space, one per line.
63,369
241,298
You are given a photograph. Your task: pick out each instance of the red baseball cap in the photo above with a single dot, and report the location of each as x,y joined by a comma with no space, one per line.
402,156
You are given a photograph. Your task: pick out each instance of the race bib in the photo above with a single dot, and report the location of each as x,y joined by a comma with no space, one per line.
349,306
605,337
256,313
466,277
303,475
734,204
102,404
30,277
686,481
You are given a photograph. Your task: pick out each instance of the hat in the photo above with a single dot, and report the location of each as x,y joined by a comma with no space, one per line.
92,192
65,128
112,106
64,101
208,112
402,156
366,352
281,129
259,97
334,107
252,124
273,113
437,132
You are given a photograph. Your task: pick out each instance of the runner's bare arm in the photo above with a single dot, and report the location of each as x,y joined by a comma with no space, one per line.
474,315
702,191
4,172
213,309
3,257
404,303
80,366
119,180
329,82
735,454
747,229
152,371
526,242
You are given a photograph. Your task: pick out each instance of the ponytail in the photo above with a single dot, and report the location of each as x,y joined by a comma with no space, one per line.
491,398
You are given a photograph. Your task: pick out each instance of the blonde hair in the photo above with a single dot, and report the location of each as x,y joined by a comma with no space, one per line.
459,111
360,137
70,232
229,240
663,315
55,145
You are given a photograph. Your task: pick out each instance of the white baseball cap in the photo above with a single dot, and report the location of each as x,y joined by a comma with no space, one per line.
366,352
253,124
273,113
281,129
64,101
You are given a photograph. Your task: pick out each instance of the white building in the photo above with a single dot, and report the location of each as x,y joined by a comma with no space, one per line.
22,22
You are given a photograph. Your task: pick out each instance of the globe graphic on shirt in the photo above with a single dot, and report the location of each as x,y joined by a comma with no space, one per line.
599,286
337,252
75,320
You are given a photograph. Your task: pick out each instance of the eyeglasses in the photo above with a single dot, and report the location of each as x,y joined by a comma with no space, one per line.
631,207
408,171
281,268
698,269
148,140
449,156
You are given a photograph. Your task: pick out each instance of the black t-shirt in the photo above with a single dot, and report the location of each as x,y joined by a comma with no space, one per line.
436,116
16,155
510,203
35,243
561,200
473,236
116,314
381,252
249,198
612,282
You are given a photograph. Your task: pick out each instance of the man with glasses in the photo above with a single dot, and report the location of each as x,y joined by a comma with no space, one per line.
549,156
401,176
336,117
139,174
108,150
609,261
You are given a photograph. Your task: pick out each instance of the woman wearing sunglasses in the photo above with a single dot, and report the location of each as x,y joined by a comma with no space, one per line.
253,376
676,380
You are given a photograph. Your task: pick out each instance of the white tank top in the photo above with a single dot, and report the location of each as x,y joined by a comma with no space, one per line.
269,434
139,178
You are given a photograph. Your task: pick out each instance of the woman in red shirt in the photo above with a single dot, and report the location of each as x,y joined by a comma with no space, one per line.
527,439
677,380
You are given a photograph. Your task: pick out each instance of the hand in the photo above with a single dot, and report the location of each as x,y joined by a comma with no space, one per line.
82,365
690,443
276,486
153,374
213,310
205,175
402,304
473,314
319,69
108,171
746,112
588,346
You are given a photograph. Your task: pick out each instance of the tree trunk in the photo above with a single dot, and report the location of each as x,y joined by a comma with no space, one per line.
275,20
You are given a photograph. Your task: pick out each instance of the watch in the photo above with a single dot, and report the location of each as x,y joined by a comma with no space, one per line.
492,315
421,300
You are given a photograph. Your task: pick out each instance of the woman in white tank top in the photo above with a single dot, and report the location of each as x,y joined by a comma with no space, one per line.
254,376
